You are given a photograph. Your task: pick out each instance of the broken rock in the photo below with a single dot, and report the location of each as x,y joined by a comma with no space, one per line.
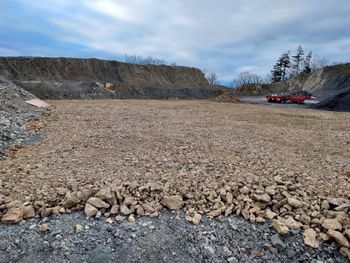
339,238
332,224
293,202
173,202
280,227
90,210
13,216
310,238
262,198
79,228
97,202
28,212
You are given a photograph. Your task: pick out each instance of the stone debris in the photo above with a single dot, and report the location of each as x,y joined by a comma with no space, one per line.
90,210
345,252
43,228
332,224
97,202
227,98
280,227
278,243
339,238
14,215
257,184
79,228
173,202
310,238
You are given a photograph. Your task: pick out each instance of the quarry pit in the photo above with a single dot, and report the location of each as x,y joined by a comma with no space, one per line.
125,159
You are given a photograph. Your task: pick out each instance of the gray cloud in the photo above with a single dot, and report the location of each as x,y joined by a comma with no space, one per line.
225,36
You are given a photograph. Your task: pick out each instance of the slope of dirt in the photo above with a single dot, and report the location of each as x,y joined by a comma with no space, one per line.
131,158
70,78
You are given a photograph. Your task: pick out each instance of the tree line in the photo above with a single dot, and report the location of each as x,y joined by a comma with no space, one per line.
288,65
141,60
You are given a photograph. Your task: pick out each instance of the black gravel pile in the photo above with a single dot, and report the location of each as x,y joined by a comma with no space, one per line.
162,239
14,114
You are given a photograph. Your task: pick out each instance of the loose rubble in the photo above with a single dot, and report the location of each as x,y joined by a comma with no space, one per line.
127,164
227,98
14,117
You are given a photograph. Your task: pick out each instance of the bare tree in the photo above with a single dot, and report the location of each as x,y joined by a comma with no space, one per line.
140,60
319,62
246,77
212,78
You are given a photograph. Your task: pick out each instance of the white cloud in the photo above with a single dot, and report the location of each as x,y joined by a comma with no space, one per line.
226,36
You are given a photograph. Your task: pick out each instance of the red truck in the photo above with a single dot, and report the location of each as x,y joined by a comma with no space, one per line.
297,97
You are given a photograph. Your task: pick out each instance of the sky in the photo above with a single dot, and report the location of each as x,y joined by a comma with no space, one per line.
221,36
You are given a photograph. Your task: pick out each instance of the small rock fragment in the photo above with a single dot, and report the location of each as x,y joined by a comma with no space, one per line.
13,216
79,228
270,215
310,238
97,202
124,210
114,209
262,197
173,202
214,213
131,219
109,220
294,202
280,227
119,219
339,238
345,252
196,219
43,228
28,212
332,224
278,243
90,210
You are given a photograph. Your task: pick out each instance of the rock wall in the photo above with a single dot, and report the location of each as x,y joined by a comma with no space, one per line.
70,78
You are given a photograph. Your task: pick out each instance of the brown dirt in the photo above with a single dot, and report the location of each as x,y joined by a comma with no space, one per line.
227,98
196,149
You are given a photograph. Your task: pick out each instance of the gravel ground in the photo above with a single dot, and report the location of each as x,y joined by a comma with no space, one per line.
211,158
163,239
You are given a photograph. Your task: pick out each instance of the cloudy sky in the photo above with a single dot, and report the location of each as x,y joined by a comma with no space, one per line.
221,36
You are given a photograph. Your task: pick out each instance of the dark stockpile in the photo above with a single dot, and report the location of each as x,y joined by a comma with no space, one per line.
14,114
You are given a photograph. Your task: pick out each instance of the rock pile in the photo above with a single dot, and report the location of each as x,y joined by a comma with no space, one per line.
14,114
227,98
323,219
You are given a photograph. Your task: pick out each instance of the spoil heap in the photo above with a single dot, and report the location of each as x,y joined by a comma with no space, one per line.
227,98
14,114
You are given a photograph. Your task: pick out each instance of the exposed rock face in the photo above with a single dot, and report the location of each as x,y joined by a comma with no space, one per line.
69,78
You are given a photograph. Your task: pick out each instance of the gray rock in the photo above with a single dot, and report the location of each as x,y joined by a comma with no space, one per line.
278,243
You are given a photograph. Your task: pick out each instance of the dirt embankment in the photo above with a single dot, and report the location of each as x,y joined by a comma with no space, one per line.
71,78
331,85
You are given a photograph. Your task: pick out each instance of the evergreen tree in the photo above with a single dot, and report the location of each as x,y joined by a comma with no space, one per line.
276,73
285,64
307,63
298,59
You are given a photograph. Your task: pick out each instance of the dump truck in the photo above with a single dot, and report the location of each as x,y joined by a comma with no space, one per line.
296,97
